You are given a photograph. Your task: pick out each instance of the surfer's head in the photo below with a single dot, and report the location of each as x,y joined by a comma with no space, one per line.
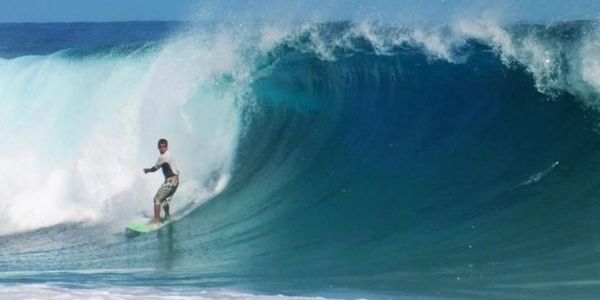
163,145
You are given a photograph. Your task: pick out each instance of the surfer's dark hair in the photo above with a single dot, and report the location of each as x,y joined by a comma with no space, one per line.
163,141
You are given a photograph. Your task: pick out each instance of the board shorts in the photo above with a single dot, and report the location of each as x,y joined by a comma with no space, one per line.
166,191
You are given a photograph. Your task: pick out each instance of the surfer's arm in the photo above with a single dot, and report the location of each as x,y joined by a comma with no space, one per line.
156,166
150,170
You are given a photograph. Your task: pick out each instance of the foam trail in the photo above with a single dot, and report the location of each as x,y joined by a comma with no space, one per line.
538,176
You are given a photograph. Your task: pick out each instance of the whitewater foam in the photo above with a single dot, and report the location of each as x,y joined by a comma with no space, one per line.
44,291
77,131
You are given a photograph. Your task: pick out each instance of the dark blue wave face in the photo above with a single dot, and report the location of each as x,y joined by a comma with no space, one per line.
406,174
394,173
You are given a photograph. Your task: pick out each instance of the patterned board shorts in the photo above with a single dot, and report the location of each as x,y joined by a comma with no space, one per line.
166,191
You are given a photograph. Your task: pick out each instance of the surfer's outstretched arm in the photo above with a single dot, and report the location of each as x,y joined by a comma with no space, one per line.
150,170
157,165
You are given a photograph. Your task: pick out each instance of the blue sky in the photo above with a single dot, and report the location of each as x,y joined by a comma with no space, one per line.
294,10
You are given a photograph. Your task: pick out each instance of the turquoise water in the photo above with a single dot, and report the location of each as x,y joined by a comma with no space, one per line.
337,160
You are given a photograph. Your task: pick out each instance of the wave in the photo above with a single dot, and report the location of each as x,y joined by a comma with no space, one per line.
335,155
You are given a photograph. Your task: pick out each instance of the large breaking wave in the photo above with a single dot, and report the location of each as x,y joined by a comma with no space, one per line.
454,161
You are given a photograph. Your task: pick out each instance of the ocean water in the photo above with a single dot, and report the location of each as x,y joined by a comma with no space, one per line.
342,160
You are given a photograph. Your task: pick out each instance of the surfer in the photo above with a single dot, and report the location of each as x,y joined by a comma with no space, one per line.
167,189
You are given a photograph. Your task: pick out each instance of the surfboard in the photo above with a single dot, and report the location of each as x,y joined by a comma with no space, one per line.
145,227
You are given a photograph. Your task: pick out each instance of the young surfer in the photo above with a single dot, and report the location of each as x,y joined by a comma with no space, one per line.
167,189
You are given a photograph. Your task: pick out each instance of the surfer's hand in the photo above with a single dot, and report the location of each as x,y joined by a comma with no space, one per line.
146,171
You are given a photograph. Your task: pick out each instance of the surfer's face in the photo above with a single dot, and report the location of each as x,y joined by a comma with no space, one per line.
162,148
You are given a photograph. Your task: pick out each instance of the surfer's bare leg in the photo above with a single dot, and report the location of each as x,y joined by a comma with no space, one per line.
156,213
167,213
163,197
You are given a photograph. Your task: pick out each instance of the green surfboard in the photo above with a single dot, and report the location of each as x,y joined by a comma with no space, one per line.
145,227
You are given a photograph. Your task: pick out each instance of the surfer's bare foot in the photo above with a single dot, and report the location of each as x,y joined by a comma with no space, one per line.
154,221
